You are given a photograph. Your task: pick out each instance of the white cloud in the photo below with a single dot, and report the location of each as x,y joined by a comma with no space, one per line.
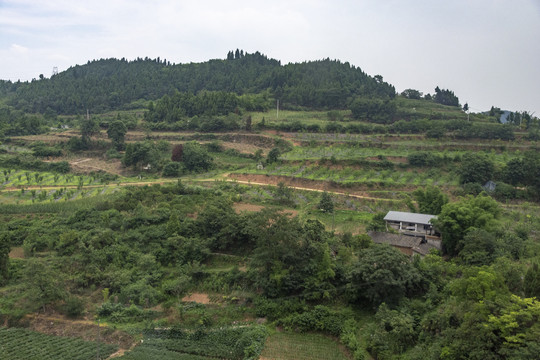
18,49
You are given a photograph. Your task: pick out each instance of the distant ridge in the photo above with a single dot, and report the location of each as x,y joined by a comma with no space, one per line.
107,84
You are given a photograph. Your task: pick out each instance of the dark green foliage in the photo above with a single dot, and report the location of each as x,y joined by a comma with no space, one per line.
445,97
179,106
514,172
89,126
291,258
383,274
378,111
119,313
430,200
321,318
171,169
424,159
142,154
14,123
74,306
5,247
326,204
393,332
457,218
32,163
486,131
116,132
335,115
531,282
44,284
215,146
42,150
476,168
377,223
436,132
196,158
273,155
505,192
235,343
477,247
111,84
284,194
412,94
177,152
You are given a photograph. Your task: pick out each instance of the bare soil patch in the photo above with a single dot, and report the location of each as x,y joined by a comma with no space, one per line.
239,207
16,253
85,329
200,298
88,165
242,148
357,190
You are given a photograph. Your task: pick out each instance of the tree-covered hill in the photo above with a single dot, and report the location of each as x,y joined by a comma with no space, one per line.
108,84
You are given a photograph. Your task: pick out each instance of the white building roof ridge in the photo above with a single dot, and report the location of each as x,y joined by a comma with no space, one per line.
408,217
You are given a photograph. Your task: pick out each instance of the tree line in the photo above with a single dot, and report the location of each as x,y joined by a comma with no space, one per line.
107,84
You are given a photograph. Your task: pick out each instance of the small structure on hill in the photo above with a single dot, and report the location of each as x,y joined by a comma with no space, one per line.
415,235
411,223
490,186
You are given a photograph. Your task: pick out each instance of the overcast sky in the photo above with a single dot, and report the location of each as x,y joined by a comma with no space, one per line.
486,51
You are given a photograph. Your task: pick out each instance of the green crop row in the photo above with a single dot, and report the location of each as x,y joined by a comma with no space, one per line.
23,344
17,178
370,177
222,343
33,196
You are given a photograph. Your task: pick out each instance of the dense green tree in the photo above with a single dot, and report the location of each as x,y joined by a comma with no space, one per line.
44,284
531,282
292,258
273,155
393,332
89,127
377,222
326,204
107,84
457,218
477,247
412,94
141,154
5,247
430,200
116,132
177,153
196,158
514,172
476,168
445,97
383,274
379,111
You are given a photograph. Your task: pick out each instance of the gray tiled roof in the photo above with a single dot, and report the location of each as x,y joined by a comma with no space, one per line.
399,240
423,219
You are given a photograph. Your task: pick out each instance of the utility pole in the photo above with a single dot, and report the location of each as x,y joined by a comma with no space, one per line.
277,110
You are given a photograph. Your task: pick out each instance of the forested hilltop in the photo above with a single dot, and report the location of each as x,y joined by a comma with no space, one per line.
112,84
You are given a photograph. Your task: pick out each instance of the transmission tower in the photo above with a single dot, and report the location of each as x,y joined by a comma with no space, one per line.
55,70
